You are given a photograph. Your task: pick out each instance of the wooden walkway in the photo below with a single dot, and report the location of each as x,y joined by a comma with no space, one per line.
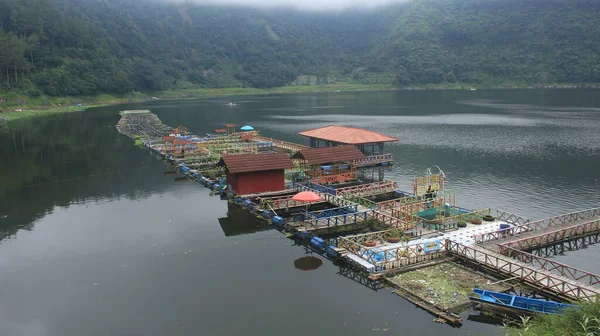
535,239
537,227
544,280
334,224
550,265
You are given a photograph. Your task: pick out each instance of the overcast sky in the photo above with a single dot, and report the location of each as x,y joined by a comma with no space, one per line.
301,4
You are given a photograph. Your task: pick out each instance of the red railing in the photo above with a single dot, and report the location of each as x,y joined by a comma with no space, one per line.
327,179
566,271
537,277
538,225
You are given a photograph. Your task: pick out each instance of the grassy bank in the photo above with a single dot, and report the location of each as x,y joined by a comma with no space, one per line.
45,105
574,322
16,106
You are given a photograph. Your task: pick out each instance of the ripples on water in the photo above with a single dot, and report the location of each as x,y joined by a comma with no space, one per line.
135,241
530,159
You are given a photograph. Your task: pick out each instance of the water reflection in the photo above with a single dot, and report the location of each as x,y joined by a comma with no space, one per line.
91,202
240,221
308,263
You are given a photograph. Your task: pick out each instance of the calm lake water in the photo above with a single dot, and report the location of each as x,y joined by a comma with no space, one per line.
96,240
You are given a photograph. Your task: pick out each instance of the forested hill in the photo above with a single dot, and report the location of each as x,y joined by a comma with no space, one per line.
83,47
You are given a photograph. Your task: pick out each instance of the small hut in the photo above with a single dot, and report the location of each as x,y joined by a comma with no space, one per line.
255,173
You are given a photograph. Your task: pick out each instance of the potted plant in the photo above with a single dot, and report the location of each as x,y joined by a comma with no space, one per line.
394,236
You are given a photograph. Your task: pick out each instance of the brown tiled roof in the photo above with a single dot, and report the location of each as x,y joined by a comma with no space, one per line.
230,125
329,154
220,130
243,163
347,135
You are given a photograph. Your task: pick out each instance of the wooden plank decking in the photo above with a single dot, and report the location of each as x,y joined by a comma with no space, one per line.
542,279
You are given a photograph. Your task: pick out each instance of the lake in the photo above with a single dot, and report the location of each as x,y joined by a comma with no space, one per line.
97,240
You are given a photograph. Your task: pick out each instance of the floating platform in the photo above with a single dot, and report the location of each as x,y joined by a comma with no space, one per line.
412,228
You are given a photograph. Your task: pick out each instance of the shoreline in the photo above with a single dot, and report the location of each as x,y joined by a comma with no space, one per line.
69,104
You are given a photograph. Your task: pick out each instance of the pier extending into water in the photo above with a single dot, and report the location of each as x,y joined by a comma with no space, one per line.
378,229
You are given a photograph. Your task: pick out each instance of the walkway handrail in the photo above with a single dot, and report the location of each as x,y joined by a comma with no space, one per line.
335,220
533,275
293,147
379,158
547,238
511,217
362,201
340,202
368,189
283,203
333,212
567,271
320,188
392,221
537,225
395,203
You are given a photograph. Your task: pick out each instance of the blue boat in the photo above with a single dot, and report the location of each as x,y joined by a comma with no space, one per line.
518,303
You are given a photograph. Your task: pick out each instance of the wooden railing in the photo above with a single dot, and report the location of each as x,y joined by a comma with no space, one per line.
284,203
374,159
538,225
534,276
563,270
511,218
346,219
338,201
362,201
548,238
395,203
392,221
368,189
289,146
334,178
333,212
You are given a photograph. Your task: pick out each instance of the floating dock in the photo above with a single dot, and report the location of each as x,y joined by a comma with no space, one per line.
378,229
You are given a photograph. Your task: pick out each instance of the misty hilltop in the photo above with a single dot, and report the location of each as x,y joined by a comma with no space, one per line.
84,47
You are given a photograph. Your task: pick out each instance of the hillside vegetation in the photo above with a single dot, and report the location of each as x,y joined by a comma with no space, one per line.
87,47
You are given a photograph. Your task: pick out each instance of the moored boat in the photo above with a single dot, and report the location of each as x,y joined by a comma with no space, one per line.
518,303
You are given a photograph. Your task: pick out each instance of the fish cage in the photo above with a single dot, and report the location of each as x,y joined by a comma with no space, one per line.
385,250
447,218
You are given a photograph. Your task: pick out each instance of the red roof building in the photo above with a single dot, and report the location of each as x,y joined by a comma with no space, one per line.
255,173
369,142
325,155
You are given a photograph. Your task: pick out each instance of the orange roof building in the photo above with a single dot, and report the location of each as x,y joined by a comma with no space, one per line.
369,142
